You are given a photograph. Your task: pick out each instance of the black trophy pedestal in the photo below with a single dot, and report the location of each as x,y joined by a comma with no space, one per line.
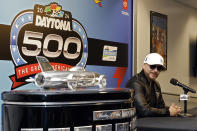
66,110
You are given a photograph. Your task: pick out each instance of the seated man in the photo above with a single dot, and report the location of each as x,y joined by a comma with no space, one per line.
148,99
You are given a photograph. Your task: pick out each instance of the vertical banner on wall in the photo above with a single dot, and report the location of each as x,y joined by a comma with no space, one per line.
96,35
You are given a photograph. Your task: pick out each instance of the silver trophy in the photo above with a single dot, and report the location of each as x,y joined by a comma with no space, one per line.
75,77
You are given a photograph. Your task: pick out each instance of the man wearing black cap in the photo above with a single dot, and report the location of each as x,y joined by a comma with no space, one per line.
148,99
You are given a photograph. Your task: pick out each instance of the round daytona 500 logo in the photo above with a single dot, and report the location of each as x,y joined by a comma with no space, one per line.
47,31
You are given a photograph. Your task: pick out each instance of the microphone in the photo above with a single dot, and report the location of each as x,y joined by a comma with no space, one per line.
177,83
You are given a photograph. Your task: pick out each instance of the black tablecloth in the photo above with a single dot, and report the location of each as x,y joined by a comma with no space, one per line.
168,123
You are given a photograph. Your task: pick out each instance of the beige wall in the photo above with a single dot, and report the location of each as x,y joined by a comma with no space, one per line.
182,27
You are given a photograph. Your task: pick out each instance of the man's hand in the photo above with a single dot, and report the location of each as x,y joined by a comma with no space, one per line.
174,110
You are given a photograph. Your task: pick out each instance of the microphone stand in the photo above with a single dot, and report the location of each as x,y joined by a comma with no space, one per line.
185,114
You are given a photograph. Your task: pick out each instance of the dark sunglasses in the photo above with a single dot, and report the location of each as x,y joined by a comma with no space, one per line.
159,67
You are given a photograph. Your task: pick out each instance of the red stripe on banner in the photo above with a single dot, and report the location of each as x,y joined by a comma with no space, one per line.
120,72
60,66
32,69
16,84
27,70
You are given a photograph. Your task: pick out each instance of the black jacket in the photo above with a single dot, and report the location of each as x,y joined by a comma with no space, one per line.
148,99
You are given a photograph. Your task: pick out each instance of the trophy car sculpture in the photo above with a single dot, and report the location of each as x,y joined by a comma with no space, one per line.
75,77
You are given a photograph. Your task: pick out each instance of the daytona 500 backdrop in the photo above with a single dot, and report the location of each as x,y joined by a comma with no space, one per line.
95,34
